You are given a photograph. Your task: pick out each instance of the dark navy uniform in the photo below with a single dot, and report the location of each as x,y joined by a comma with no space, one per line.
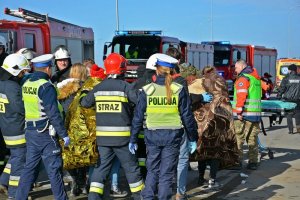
113,99
12,122
163,142
40,145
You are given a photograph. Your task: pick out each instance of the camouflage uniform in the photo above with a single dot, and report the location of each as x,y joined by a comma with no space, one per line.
249,131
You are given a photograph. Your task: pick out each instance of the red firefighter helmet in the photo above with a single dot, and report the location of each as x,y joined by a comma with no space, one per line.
115,64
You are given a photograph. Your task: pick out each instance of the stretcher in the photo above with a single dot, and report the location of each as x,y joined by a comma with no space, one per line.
273,109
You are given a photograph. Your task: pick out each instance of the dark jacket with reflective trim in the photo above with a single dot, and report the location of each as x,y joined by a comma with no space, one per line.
166,135
47,93
12,122
289,89
112,119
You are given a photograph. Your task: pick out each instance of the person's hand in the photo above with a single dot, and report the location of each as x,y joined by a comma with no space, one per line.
240,117
66,141
207,98
132,147
192,147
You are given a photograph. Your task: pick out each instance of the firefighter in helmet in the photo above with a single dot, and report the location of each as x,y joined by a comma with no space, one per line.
63,64
167,107
44,124
113,98
12,121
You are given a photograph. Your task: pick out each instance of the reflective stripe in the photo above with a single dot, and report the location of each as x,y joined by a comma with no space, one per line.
141,135
113,134
15,140
111,98
249,114
136,187
242,90
166,127
248,100
253,106
142,161
96,190
3,98
96,187
239,109
161,110
13,183
113,128
110,93
6,170
8,165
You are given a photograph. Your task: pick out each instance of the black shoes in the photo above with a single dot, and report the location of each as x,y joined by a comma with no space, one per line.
252,166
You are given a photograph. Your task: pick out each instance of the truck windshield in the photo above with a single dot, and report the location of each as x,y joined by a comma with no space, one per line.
221,58
136,47
284,69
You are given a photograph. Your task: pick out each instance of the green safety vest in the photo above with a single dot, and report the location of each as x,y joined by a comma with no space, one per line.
252,106
160,114
32,102
133,55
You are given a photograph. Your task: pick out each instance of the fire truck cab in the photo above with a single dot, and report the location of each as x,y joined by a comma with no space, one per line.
138,46
43,34
226,54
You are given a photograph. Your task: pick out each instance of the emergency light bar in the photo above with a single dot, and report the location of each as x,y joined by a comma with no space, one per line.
138,32
218,42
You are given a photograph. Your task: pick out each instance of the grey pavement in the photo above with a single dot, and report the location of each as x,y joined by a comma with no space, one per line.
277,178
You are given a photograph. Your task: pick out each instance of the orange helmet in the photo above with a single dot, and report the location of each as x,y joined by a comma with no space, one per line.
115,64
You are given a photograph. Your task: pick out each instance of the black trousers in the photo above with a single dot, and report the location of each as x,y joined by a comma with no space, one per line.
214,167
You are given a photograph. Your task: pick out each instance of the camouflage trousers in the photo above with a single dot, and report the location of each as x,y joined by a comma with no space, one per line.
248,131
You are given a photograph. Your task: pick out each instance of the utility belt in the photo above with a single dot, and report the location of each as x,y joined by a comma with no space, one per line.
39,125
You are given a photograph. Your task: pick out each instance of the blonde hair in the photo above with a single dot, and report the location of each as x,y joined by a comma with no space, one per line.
166,71
78,71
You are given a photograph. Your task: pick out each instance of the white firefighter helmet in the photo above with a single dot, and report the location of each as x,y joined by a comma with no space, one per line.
61,53
2,41
15,63
151,63
28,53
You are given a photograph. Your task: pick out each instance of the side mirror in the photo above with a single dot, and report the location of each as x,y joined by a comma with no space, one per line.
104,57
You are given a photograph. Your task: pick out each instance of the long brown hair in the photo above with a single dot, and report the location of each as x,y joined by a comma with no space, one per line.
78,71
166,71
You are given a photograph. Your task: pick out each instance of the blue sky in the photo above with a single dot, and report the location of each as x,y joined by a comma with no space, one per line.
270,23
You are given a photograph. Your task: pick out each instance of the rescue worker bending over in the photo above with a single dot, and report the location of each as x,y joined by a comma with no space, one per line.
12,121
167,107
113,98
247,110
42,115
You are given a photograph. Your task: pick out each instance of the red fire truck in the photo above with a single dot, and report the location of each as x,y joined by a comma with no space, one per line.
43,34
260,57
146,43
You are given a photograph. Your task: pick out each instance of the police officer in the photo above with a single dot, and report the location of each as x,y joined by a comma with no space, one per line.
41,111
289,90
63,64
247,110
113,98
167,107
12,121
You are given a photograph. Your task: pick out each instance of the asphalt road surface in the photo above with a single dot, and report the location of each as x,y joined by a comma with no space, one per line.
277,178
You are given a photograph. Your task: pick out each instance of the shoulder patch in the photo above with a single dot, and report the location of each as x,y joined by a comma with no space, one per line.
240,84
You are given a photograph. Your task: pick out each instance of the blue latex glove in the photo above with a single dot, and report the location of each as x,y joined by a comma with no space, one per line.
207,98
132,147
192,147
66,141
